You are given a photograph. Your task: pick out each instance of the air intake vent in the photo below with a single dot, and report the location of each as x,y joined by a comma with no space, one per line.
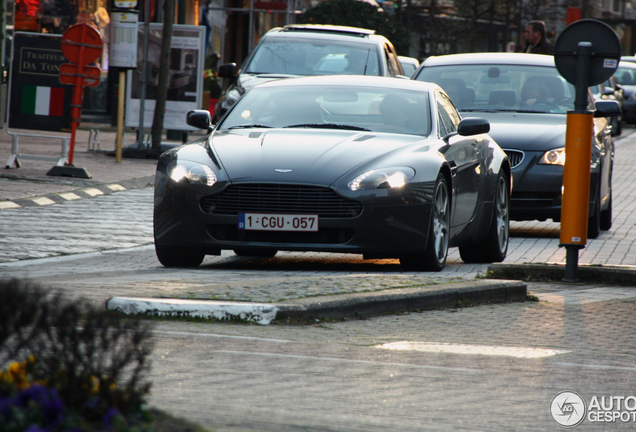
515,157
272,198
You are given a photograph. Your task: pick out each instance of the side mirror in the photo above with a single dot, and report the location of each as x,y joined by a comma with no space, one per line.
473,126
607,108
227,70
200,119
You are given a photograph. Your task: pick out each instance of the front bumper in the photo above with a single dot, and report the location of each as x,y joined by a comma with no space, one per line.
537,189
387,226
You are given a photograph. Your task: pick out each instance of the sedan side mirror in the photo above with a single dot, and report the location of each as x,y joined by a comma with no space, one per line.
473,126
200,119
227,70
607,108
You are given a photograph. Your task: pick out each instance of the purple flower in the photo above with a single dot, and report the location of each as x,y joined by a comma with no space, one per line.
49,401
36,428
110,416
6,405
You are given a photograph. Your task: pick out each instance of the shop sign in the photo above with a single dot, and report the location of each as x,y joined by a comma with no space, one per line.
37,99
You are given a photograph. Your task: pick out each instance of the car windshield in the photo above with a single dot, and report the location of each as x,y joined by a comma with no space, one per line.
521,88
313,57
625,75
332,107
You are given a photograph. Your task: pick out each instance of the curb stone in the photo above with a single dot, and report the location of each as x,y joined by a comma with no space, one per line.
336,307
607,274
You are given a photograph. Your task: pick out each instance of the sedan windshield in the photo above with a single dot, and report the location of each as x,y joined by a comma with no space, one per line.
520,88
332,107
311,57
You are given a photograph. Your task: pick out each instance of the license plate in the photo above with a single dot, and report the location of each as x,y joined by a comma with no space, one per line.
277,222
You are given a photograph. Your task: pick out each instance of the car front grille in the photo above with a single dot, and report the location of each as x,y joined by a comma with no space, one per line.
515,157
273,198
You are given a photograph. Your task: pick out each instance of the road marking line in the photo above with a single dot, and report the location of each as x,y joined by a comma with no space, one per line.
93,192
595,366
43,201
369,362
8,205
448,348
116,187
584,296
70,196
221,336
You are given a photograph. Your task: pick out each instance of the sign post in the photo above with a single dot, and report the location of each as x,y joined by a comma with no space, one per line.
81,45
585,54
123,55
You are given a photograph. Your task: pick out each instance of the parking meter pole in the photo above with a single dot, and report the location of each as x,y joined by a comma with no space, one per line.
120,116
576,171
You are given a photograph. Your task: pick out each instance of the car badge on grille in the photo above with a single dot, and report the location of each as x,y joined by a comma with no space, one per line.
283,170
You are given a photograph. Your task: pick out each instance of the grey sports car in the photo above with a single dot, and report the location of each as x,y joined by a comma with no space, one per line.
376,166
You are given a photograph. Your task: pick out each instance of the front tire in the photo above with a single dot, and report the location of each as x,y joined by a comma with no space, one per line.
176,256
495,247
434,256
594,219
606,215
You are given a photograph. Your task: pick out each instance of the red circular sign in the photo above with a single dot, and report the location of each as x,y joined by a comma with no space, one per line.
82,42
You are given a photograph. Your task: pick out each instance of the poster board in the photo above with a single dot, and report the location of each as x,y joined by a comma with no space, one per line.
37,99
185,89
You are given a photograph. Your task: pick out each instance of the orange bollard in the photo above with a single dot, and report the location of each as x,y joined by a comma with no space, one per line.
576,179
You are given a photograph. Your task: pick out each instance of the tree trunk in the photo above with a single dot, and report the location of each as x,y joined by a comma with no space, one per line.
164,74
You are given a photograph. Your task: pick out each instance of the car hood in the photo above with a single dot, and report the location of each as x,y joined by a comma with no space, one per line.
248,81
524,131
307,156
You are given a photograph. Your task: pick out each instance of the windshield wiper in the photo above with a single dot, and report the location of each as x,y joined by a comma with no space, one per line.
535,111
487,110
249,126
328,126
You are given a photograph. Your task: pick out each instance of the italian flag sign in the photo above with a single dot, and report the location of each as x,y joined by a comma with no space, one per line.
47,101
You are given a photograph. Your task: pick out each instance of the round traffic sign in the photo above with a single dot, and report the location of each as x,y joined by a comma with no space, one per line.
82,43
606,50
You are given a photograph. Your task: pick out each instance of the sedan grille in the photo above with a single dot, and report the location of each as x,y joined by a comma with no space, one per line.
272,198
515,157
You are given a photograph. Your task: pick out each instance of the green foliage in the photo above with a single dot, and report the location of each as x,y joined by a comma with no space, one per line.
68,363
356,13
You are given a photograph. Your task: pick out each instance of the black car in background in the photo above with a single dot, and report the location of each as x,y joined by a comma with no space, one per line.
525,99
625,75
305,50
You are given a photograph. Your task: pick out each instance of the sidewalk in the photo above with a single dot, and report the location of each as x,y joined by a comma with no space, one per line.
25,186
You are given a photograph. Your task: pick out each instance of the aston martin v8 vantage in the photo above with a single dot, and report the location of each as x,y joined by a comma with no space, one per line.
375,166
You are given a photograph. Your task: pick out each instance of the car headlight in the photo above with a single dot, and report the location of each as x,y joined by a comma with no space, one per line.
230,99
193,172
553,157
382,178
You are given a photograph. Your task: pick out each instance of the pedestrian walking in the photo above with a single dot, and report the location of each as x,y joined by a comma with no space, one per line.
536,40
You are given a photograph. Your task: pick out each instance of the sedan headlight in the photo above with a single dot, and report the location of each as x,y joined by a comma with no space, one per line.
193,172
553,157
382,178
230,99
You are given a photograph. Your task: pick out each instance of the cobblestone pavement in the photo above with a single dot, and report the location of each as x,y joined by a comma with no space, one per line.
337,376
403,372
